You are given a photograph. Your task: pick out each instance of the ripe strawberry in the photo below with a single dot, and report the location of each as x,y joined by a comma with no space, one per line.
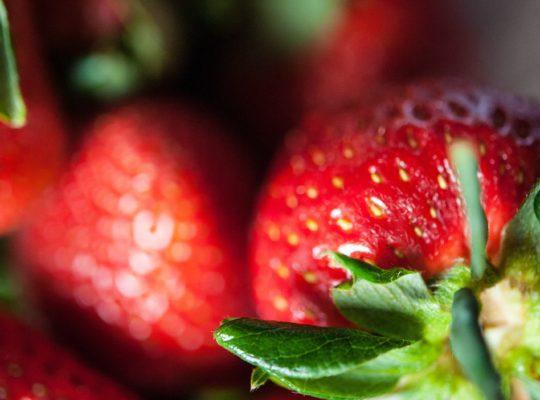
139,251
377,185
368,44
32,367
29,157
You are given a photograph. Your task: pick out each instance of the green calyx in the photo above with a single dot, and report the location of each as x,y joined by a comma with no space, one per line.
12,107
520,259
472,333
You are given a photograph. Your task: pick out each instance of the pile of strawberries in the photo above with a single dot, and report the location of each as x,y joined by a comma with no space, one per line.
136,225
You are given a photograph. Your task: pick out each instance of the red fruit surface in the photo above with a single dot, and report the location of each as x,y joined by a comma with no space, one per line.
30,158
377,185
32,367
371,44
140,249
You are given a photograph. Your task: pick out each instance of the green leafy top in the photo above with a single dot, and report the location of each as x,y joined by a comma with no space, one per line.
521,244
464,158
12,107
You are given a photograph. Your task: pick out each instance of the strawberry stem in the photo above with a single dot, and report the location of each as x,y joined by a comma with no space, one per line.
12,107
464,158
469,346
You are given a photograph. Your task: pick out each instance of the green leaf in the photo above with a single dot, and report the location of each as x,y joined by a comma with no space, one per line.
465,160
106,75
293,25
12,107
536,206
469,346
350,385
258,378
449,283
395,303
521,245
373,378
301,351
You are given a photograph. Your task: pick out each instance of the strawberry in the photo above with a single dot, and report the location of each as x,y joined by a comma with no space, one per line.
364,45
30,157
376,184
139,250
33,367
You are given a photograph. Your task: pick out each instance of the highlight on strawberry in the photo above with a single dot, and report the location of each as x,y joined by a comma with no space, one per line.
399,223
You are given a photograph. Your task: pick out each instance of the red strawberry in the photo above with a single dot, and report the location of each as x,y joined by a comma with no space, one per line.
139,251
29,157
377,185
32,367
369,44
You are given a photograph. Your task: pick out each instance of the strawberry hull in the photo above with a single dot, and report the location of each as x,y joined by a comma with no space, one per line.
378,185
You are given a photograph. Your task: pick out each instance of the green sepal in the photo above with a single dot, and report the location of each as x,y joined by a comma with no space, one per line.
394,302
12,107
301,351
532,387
349,385
521,244
465,160
470,348
259,378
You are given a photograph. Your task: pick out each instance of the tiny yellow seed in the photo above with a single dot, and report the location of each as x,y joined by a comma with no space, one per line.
280,303
310,277
404,175
344,224
312,193
312,225
293,239
338,182
348,152
291,201
442,182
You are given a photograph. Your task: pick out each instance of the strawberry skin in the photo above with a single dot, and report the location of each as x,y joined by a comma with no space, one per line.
30,157
32,367
377,185
139,250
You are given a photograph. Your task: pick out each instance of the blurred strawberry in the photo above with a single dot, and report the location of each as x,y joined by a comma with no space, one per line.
35,368
345,51
30,157
140,250
378,185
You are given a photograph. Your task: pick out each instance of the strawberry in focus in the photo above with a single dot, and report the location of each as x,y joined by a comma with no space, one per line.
30,157
140,249
377,185
35,368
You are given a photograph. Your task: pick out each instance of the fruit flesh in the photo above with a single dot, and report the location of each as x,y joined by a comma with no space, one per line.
377,185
